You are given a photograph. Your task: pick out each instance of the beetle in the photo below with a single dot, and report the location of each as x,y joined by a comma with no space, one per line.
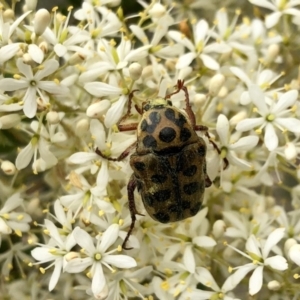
169,162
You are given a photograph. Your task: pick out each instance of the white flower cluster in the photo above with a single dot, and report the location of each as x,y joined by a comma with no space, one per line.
72,90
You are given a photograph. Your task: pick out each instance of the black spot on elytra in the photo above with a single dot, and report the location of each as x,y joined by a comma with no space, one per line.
191,188
167,134
174,208
190,171
180,121
186,205
170,114
158,178
162,195
202,150
162,217
149,141
195,208
185,134
140,166
148,199
155,118
144,125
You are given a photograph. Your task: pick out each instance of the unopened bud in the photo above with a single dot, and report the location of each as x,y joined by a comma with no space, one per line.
76,58
31,4
8,15
9,121
44,46
41,21
290,151
219,228
199,100
98,109
157,10
8,167
135,71
27,59
288,245
52,117
216,83
71,255
274,285
82,127
272,53
114,3
147,72
241,115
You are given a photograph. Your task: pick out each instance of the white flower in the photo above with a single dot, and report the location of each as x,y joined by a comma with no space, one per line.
258,251
279,7
10,220
66,38
229,149
199,47
97,255
34,84
55,251
272,115
206,278
39,143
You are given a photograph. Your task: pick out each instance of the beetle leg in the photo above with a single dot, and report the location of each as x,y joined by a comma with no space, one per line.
127,127
128,113
132,208
225,160
120,157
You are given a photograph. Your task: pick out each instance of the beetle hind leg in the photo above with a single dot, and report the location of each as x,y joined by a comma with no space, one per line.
131,186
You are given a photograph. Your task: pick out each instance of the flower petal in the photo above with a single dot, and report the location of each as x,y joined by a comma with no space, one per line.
270,138
120,261
256,280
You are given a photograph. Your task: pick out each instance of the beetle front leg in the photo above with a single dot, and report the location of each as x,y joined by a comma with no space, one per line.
131,186
121,156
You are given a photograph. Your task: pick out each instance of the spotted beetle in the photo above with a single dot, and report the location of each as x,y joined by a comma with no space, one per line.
169,163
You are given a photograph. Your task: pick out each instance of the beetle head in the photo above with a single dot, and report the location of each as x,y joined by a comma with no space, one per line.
156,103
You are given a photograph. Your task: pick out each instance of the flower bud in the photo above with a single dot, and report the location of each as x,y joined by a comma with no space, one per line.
135,71
71,255
8,15
219,228
241,115
199,100
9,121
52,117
147,72
274,285
41,21
272,53
82,127
114,3
215,84
290,151
288,244
27,59
76,58
44,47
98,109
31,4
8,167
157,10
294,254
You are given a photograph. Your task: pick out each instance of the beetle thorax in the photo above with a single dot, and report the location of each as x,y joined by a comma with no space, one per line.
164,128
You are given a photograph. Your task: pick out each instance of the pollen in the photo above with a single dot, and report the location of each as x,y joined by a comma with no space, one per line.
165,285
